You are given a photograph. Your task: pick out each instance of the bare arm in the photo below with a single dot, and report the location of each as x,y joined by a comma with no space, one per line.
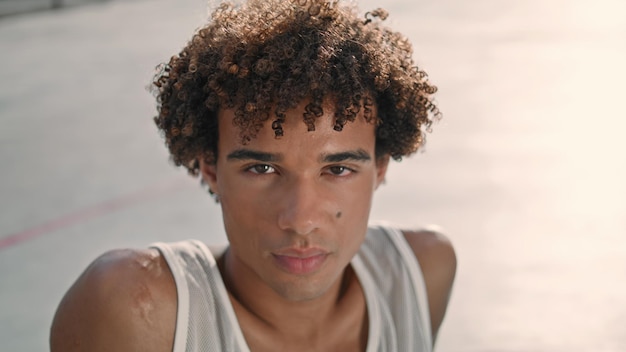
438,262
124,301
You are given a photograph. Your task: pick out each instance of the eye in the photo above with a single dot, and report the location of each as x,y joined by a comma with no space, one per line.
261,169
340,170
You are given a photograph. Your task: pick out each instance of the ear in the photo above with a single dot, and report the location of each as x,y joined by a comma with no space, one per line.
209,174
381,169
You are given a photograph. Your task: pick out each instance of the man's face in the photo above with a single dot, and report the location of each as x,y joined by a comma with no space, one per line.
295,209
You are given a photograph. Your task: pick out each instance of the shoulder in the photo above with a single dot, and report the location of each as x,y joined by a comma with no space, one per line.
124,301
438,262
432,248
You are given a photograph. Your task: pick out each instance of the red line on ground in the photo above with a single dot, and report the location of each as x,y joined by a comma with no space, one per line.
87,213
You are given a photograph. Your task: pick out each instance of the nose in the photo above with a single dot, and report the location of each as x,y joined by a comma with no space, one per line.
303,208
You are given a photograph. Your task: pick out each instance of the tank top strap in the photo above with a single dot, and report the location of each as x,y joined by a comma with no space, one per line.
206,320
385,262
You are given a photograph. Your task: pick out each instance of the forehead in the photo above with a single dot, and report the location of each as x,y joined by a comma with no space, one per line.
297,138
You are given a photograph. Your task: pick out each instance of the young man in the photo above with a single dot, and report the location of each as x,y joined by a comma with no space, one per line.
289,111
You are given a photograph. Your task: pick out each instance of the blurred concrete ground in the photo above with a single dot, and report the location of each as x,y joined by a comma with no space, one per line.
18,7
525,172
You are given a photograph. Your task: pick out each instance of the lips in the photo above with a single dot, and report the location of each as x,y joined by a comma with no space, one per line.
300,262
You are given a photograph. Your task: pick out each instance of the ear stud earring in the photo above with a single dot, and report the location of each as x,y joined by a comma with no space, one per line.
214,195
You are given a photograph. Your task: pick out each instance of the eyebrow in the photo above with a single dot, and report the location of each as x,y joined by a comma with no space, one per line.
353,155
248,154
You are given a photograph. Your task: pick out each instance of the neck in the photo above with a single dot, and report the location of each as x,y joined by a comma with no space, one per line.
260,307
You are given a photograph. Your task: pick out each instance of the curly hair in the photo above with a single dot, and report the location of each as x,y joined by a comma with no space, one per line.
264,57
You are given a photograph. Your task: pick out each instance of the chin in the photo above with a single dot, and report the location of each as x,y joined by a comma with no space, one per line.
302,289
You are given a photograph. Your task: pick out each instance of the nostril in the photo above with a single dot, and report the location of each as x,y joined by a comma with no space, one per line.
303,208
298,221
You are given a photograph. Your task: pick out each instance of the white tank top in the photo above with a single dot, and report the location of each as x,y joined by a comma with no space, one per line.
387,269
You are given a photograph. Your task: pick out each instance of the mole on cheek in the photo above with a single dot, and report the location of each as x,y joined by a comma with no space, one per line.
338,214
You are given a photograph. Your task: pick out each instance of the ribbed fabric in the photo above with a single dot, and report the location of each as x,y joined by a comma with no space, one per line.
390,275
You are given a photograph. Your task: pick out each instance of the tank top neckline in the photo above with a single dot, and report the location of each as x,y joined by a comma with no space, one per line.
365,280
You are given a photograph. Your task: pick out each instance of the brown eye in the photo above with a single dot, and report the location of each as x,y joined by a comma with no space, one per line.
261,169
339,170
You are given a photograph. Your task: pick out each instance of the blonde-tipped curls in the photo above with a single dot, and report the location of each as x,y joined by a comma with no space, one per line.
264,57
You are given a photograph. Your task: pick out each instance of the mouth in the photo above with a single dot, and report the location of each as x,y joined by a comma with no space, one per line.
300,262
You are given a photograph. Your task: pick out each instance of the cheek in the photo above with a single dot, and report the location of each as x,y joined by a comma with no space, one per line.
353,209
245,210
355,196
242,208
241,223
